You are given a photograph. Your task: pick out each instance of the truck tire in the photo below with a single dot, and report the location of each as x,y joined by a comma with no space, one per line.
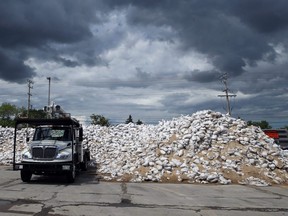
71,175
26,176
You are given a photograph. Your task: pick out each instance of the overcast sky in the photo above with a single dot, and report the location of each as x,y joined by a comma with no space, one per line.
152,59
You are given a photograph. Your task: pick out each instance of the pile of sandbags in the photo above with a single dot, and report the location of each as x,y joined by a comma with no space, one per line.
7,143
206,147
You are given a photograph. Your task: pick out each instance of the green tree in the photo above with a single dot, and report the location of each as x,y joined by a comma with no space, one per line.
262,124
37,114
7,111
99,120
139,122
129,120
7,114
33,113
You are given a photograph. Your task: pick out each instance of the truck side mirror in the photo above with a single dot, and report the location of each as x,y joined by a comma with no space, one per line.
80,134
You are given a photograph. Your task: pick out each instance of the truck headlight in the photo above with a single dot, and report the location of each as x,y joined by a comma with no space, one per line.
63,155
26,155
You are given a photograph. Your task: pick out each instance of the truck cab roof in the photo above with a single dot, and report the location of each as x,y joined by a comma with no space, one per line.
37,122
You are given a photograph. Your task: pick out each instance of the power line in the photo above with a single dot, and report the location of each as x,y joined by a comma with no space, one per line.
227,95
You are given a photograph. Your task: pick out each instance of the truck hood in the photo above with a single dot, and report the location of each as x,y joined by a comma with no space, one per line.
60,144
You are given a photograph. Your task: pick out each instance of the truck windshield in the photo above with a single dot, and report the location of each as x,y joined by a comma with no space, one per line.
48,133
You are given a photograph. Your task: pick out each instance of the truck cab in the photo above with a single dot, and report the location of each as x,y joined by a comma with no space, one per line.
55,148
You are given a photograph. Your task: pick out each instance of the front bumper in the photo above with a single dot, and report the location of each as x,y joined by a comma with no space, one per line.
44,168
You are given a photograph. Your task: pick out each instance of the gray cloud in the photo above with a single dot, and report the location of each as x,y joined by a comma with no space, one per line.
232,33
182,101
202,76
12,67
262,15
35,23
31,27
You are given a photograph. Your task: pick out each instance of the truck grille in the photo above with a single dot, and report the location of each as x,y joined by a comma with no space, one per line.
44,152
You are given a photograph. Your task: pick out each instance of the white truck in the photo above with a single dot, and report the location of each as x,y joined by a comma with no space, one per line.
55,149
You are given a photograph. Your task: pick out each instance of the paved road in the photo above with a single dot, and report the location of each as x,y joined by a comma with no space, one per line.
89,196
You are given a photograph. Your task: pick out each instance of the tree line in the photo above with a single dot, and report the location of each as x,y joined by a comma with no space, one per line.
9,112
103,121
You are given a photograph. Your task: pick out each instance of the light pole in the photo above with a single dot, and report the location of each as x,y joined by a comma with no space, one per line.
49,79
30,82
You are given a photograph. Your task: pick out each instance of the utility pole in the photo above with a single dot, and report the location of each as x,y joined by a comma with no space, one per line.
49,79
226,91
30,82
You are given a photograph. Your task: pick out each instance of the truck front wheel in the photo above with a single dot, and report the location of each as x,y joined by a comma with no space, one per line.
26,176
71,175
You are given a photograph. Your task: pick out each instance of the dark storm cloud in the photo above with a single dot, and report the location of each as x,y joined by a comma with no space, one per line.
13,69
202,76
34,23
232,33
31,27
263,15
